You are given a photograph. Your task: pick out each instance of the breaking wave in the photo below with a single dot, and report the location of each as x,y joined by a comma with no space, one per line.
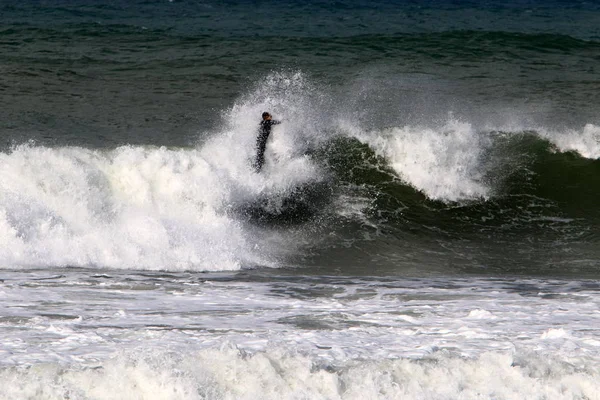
204,208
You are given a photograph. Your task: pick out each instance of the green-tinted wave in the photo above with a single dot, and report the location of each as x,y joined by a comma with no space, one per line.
533,186
541,217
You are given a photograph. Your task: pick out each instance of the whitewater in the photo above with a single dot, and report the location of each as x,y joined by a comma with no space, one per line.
116,335
138,272
180,209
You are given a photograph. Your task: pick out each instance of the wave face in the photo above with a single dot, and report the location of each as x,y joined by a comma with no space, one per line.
456,198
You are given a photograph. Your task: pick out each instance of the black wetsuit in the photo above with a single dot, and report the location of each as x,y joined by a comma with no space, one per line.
261,141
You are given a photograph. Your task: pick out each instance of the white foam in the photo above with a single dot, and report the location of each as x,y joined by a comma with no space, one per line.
158,208
227,373
132,207
554,334
448,162
140,336
481,314
127,208
443,163
585,141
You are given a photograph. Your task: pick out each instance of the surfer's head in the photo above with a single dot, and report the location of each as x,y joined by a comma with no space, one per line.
266,116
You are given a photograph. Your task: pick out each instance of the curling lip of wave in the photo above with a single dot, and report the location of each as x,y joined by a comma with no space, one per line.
452,163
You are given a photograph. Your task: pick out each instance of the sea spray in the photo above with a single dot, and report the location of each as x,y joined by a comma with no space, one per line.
132,207
584,141
444,163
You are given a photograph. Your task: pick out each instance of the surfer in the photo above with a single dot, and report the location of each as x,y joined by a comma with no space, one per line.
264,131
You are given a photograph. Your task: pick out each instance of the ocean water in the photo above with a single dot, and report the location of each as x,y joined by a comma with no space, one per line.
426,225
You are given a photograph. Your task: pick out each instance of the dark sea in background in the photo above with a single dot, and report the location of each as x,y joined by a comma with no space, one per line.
426,225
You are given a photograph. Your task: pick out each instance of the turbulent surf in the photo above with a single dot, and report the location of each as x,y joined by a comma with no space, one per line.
425,224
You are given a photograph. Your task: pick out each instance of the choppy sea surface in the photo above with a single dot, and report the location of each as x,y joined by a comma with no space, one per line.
426,225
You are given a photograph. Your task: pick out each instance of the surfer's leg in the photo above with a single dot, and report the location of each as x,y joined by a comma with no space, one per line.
260,159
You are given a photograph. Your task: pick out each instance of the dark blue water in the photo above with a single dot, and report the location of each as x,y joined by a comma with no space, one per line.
107,73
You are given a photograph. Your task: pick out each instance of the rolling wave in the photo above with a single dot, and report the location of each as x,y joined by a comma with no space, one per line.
412,194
